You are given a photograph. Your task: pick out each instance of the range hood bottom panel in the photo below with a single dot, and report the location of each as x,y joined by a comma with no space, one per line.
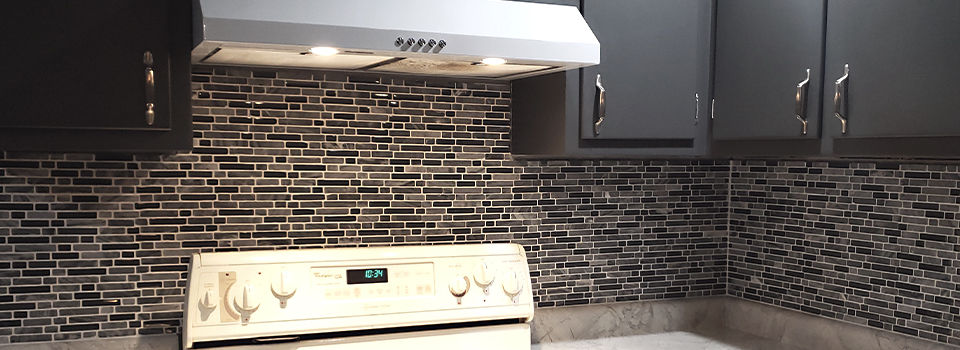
420,66
280,58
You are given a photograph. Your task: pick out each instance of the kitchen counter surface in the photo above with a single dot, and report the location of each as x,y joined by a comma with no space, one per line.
144,342
725,340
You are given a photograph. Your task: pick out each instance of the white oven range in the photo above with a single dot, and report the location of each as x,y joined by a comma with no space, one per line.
400,297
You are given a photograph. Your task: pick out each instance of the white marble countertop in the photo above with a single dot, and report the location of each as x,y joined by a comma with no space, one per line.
666,341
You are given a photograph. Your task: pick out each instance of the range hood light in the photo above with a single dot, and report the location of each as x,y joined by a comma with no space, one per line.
493,61
324,51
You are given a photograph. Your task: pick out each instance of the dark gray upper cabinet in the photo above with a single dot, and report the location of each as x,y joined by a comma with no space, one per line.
767,69
902,93
655,65
100,75
654,69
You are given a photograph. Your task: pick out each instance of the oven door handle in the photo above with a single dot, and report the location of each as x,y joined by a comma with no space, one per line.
276,340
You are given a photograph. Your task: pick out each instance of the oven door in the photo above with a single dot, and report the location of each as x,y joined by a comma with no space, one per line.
500,337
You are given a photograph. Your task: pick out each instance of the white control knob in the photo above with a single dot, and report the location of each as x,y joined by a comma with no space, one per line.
483,276
246,300
284,286
511,284
459,286
209,300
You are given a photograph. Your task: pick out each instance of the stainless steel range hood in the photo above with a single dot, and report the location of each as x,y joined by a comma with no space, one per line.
492,39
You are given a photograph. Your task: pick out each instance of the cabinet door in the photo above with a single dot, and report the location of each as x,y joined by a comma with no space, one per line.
80,64
654,65
764,51
904,69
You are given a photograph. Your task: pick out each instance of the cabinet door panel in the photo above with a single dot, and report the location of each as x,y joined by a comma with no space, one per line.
654,60
80,64
904,59
763,49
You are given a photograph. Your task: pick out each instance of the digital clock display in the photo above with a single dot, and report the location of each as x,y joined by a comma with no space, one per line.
372,275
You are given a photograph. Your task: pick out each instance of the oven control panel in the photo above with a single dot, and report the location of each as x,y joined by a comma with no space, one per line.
237,295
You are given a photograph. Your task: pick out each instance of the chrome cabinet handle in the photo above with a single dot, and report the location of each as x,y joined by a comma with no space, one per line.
150,88
601,112
713,108
696,117
840,99
801,110
150,114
